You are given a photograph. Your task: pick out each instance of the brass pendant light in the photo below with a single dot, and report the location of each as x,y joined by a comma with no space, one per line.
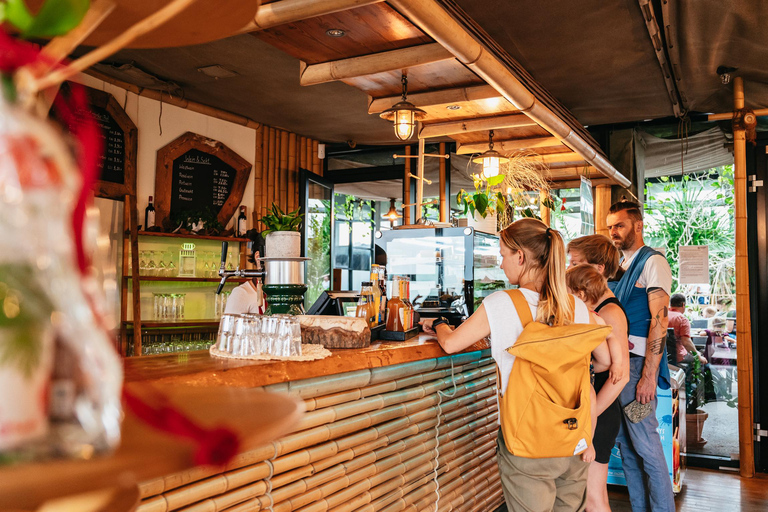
491,159
404,114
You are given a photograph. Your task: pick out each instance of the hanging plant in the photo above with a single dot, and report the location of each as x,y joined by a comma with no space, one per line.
484,201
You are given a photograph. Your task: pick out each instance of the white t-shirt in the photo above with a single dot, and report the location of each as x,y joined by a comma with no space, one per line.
506,326
246,298
655,274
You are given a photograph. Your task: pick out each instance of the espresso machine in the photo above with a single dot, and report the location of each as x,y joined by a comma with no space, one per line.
283,280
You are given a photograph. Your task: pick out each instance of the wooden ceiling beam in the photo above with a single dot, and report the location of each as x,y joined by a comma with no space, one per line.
555,158
364,65
434,98
508,146
289,11
475,125
571,173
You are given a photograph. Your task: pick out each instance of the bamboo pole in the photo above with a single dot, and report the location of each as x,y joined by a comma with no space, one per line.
407,186
420,181
371,64
602,205
727,116
273,162
293,175
303,152
281,185
316,168
478,124
289,11
258,174
543,208
743,320
309,154
444,206
437,98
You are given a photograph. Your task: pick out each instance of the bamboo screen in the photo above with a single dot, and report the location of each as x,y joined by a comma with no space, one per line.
408,437
279,156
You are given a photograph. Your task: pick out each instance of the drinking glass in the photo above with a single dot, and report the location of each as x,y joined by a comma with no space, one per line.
182,298
151,266
269,326
143,263
226,331
215,263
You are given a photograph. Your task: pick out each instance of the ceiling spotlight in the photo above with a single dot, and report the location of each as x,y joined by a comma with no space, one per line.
453,107
335,32
216,71
491,159
404,114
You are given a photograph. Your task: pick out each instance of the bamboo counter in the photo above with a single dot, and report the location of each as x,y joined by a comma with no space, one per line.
398,426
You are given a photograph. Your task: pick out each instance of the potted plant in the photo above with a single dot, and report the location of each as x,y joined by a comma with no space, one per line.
282,236
485,205
702,385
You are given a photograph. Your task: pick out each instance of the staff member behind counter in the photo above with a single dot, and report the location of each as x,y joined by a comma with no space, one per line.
249,297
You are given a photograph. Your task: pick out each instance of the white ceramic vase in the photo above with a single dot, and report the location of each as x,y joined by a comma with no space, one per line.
283,244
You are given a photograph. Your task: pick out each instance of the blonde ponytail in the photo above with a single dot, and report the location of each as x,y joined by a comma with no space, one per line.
545,258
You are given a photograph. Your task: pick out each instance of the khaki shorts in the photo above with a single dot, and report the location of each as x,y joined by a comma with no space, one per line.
557,484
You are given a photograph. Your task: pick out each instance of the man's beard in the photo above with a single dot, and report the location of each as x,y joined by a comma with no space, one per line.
627,243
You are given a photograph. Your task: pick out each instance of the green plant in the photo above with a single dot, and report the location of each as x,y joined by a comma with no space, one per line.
702,385
278,220
187,219
696,210
484,200
318,249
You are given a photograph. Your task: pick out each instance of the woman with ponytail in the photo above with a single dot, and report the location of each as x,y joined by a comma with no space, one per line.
533,259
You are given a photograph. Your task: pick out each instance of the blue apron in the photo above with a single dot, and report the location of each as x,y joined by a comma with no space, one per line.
635,302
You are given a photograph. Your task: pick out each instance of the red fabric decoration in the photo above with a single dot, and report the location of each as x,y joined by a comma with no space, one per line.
215,446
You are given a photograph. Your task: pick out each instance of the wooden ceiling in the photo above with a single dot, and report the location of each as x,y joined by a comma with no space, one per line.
380,45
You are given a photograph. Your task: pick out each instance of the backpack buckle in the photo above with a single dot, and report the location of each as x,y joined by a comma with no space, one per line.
571,423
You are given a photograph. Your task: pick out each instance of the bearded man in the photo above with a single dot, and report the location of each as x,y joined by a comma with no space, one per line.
644,291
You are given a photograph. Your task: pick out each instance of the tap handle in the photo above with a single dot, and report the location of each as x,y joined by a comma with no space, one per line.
221,284
224,250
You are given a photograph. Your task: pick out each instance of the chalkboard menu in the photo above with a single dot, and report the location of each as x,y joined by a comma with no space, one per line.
195,173
112,163
117,164
200,181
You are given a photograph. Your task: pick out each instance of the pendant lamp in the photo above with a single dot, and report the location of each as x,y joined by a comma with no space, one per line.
404,114
491,159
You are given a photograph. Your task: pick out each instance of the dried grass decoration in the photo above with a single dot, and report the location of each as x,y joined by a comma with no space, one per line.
509,193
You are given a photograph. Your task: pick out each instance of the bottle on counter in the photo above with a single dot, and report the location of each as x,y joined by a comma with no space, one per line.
395,307
383,287
376,289
242,223
365,306
149,215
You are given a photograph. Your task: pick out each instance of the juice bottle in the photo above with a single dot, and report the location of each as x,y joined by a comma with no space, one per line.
407,306
376,290
365,303
383,288
395,307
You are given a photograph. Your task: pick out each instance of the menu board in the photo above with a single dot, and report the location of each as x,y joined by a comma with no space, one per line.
112,162
198,175
117,162
200,181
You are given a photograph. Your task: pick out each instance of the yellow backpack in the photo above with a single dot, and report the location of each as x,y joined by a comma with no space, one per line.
545,410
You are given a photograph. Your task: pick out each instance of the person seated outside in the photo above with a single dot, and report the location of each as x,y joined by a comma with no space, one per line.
708,312
686,351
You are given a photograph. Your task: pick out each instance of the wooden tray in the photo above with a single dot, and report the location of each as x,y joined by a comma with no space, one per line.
399,335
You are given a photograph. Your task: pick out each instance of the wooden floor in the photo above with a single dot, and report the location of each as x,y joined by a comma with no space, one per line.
703,491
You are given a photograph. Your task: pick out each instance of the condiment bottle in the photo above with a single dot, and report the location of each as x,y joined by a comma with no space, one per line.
365,303
376,290
395,307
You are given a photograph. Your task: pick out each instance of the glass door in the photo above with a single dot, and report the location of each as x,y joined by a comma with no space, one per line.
316,196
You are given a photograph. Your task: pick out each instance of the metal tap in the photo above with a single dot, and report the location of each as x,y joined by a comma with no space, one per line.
238,272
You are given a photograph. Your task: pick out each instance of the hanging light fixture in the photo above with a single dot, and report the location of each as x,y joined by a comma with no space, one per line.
404,114
392,214
491,159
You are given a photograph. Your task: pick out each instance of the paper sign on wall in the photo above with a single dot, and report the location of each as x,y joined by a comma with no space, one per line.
694,264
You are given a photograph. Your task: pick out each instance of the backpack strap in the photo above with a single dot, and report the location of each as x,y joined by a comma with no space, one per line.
521,305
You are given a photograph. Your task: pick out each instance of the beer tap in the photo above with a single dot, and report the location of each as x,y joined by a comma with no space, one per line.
238,272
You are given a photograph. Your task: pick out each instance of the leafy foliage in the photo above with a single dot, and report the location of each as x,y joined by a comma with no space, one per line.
697,210
484,201
319,249
704,385
55,17
278,220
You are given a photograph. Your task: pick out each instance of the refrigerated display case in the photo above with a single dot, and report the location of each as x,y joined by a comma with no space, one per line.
451,269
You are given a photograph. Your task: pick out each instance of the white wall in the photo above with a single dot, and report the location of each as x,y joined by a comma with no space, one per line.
175,121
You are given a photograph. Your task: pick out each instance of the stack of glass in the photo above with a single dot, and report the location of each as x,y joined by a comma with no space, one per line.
220,305
259,335
169,306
